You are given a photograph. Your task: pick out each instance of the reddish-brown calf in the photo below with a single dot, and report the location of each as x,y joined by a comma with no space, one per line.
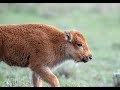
41,47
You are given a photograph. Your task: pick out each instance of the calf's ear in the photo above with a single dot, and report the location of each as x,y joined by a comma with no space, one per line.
68,36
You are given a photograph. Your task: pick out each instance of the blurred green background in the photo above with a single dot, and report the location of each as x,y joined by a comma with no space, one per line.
100,24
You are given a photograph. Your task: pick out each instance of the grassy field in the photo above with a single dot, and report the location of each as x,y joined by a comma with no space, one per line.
102,32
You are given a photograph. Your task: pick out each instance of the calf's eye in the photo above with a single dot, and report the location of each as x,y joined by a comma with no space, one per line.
79,45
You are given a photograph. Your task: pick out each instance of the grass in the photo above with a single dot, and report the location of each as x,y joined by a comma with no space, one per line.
102,34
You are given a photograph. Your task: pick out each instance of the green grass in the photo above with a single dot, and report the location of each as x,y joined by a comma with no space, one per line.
102,34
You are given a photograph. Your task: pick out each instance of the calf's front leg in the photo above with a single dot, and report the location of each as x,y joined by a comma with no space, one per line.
37,82
46,74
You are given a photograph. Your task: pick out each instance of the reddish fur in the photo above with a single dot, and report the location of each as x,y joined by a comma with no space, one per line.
39,47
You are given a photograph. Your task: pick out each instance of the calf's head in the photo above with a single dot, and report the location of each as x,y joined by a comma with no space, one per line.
77,48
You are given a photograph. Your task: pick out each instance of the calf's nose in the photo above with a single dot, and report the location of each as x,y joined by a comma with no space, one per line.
90,56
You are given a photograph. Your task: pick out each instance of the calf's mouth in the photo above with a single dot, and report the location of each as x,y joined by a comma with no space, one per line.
84,60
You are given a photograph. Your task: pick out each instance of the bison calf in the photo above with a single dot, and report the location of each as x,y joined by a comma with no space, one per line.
41,47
